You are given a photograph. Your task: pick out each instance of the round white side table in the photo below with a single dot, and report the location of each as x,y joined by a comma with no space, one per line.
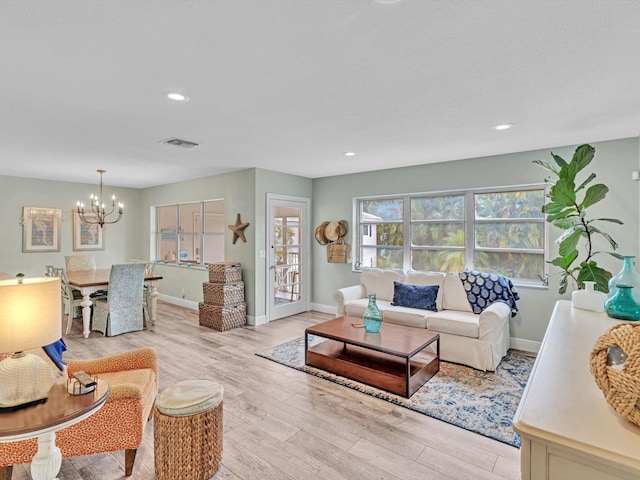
42,421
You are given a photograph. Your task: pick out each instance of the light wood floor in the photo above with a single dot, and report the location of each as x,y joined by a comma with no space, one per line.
283,424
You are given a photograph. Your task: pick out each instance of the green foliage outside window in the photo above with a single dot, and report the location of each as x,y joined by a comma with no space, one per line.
508,227
449,207
517,204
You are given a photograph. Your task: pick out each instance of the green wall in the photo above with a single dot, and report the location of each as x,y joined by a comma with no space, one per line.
121,240
244,192
238,191
332,199
614,161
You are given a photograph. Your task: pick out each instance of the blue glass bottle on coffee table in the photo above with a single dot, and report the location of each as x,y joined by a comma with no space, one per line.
372,317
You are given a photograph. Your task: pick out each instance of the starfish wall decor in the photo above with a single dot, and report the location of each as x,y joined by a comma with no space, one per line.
238,230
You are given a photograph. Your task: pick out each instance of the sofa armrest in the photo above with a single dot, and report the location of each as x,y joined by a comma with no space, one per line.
130,360
346,295
128,390
492,319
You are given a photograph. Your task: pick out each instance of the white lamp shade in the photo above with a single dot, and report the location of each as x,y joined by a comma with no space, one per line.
30,313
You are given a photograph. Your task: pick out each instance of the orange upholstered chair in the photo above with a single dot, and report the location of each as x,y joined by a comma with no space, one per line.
118,425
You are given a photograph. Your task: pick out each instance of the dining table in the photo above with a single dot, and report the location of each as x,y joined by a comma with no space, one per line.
90,281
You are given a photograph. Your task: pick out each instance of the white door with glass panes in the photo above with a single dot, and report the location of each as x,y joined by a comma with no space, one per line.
287,256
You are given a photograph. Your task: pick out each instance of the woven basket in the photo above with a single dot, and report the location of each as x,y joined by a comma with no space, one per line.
222,318
338,252
621,387
223,294
225,272
188,448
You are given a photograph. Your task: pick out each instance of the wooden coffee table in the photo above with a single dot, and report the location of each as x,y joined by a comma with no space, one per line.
393,359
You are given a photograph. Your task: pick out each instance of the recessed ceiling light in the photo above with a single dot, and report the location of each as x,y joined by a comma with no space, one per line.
349,154
503,126
178,97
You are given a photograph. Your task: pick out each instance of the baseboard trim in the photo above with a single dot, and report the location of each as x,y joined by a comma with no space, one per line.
251,320
178,301
257,321
318,307
515,343
524,345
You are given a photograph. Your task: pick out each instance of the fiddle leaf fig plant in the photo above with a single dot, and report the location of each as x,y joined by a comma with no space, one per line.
567,210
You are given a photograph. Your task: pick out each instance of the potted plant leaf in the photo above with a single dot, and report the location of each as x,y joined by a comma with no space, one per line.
567,210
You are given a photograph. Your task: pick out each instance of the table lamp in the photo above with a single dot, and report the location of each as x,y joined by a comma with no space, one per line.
30,317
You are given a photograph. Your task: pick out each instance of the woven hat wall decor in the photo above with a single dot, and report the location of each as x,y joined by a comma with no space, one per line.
332,232
615,364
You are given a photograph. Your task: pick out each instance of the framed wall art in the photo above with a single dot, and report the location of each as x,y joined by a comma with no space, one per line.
41,229
86,236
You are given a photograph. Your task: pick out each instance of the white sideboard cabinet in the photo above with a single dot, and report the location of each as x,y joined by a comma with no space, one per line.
568,430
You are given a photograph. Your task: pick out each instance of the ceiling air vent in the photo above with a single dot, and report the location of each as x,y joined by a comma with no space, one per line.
179,143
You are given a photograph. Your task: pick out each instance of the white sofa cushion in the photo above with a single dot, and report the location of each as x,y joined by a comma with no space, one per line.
454,322
410,317
454,294
428,278
356,308
380,282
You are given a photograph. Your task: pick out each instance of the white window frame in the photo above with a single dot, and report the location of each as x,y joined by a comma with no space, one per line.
196,239
469,221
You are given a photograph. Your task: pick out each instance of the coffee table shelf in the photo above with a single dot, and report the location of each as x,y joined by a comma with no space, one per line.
394,360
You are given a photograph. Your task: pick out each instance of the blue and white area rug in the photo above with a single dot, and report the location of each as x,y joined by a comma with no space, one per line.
481,402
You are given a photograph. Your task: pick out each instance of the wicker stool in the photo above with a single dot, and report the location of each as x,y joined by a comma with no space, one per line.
187,430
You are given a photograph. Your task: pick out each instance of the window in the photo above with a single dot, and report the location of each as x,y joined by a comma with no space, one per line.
501,231
190,233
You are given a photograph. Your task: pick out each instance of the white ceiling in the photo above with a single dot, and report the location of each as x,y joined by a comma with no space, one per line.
290,85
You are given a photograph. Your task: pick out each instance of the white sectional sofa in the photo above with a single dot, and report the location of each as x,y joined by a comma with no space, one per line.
479,341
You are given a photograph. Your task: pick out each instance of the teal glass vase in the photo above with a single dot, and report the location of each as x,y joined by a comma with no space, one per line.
627,276
622,305
372,317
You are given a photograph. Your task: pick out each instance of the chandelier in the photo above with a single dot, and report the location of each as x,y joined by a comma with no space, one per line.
97,215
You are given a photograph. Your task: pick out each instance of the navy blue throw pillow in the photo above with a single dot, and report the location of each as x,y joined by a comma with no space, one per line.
415,296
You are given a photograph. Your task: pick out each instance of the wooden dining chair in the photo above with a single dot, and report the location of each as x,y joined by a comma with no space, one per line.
71,298
73,263
122,311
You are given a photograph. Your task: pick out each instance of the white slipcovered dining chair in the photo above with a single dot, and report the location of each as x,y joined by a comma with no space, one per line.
148,271
122,311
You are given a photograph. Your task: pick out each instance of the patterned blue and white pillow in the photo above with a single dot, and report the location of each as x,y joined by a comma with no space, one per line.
485,288
415,296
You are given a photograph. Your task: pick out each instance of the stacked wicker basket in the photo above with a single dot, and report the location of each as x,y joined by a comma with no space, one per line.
223,307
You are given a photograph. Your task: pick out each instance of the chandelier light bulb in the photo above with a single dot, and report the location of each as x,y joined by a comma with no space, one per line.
97,215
